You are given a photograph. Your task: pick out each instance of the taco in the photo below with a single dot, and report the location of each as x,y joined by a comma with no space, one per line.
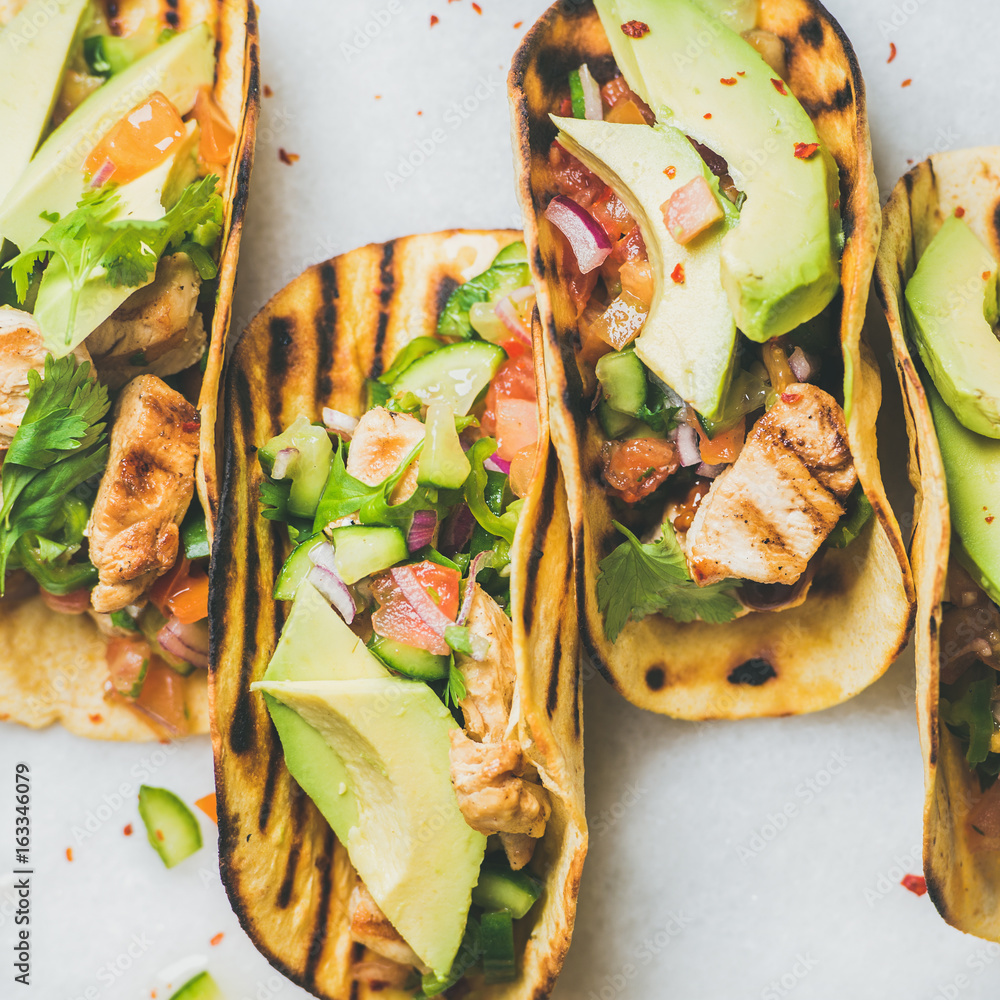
702,218
937,278
128,141
417,678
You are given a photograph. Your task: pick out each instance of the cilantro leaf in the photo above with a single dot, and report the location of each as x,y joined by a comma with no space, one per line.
970,714
638,579
274,499
455,691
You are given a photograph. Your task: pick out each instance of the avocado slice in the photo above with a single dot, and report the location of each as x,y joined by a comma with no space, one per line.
53,180
780,266
34,47
410,845
972,472
952,303
689,336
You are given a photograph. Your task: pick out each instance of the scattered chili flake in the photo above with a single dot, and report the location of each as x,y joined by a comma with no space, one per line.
190,425
434,19
286,157
906,82
729,81
159,835
917,884
69,853
779,86
803,150
635,29
892,51
217,939
517,24
128,830
671,172
990,519
741,72
678,274
378,97
791,397
95,717
477,8
419,113
836,204
909,159
709,115
959,212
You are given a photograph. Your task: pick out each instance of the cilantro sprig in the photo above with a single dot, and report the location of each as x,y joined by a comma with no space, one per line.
639,579
59,445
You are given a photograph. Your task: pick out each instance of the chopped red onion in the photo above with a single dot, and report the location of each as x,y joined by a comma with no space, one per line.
709,471
342,424
430,614
421,530
496,464
508,315
804,366
474,567
588,241
593,108
282,461
521,295
101,175
325,578
687,446
456,530
189,642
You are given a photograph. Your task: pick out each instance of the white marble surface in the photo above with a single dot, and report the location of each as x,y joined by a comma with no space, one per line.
691,889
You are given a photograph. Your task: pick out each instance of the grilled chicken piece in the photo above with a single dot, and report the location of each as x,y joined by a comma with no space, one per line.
21,350
157,329
768,513
145,491
492,794
371,927
489,683
380,442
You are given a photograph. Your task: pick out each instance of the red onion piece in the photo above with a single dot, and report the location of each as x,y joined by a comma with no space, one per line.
496,464
521,295
589,243
508,314
593,108
687,446
101,175
342,424
804,366
709,471
456,530
282,461
430,614
421,530
334,590
189,642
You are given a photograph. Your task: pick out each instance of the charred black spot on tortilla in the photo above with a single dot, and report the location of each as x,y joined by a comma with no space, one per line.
656,677
241,731
577,696
171,18
811,32
282,330
326,329
541,130
241,724
274,768
552,696
546,511
996,223
324,864
754,672
445,287
299,817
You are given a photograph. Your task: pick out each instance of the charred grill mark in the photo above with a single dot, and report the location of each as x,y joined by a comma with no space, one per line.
282,330
326,329
754,672
387,279
274,766
552,697
656,677
241,732
546,511
298,825
811,32
324,864
445,287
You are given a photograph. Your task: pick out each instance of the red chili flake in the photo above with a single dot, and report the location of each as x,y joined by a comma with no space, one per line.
69,853
159,835
96,718
892,51
635,29
419,113
190,425
959,212
709,115
566,108
779,86
434,19
791,397
378,97
990,519
128,830
986,275
803,150
286,157
477,8
671,172
678,274
917,884
729,81
906,82
741,72
267,91
836,204
217,939
517,24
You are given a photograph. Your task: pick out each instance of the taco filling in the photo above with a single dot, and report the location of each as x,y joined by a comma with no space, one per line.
698,234
393,684
109,235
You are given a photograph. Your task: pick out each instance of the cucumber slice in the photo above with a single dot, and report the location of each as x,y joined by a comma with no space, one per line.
499,888
295,570
408,660
362,549
415,349
171,827
497,936
194,535
201,987
308,469
442,460
623,381
455,374
614,424
122,619
513,253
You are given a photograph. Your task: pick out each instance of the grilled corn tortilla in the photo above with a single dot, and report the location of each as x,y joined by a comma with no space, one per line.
964,883
52,666
288,878
858,611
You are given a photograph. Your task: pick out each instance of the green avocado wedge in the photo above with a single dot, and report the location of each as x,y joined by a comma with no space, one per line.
780,266
952,304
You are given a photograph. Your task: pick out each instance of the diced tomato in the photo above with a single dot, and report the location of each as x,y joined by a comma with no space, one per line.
217,135
397,619
593,346
162,697
189,600
612,215
621,322
514,347
614,90
144,138
630,247
522,469
127,661
637,279
515,379
67,604
163,588
516,424
725,446
571,178
690,210
635,468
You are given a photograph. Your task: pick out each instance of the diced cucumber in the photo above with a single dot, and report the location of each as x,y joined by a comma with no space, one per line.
623,381
499,888
107,55
409,660
194,535
497,936
508,272
455,374
171,827
442,461
416,348
122,619
308,468
576,94
513,253
363,549
201,987
295,569
614,424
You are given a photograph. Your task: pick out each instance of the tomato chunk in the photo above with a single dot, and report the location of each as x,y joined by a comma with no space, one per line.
217,135
691,210
189,600
572,179
635,468
637,279
397,619
127,663
162,697
517,426
725,446
515,379
612,215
